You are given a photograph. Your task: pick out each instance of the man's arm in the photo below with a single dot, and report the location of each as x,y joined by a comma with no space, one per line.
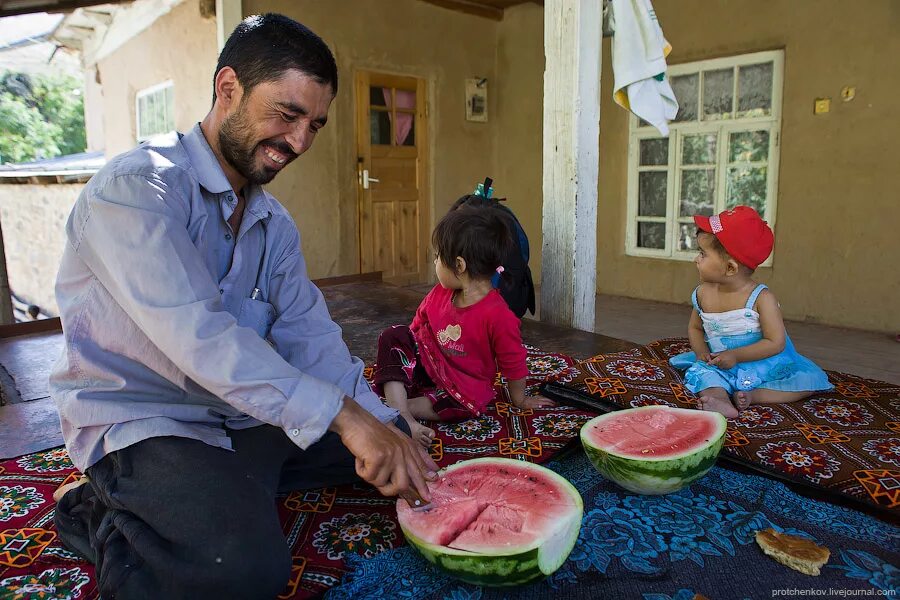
305,335
131,232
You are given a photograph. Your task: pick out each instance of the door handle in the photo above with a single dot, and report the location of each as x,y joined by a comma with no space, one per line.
366,180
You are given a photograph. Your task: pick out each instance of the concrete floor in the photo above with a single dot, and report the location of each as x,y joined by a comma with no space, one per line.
874,355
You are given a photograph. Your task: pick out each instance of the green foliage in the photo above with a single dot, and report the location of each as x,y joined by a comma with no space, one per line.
40,117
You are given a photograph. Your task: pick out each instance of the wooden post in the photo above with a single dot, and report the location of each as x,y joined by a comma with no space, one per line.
6,310
572,47
228,14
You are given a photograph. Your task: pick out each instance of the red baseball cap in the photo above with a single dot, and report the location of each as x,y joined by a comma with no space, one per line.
742,232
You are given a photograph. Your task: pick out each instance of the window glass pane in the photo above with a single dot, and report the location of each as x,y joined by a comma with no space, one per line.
170,108
747,185
698,192
687,94
380,128
142,116
376,95
755,90
718,94
652,193
406,129
748,146
698,149
655,152
651,235
687,237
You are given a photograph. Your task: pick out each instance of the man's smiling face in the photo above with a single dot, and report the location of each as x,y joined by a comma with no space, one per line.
273,124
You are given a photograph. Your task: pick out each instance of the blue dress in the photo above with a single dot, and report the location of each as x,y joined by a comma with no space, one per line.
786,371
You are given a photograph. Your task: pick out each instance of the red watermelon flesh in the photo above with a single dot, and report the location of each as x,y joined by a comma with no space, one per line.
477,508
651,433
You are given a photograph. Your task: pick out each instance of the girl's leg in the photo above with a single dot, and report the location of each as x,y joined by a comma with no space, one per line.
767,396
716,399
396,397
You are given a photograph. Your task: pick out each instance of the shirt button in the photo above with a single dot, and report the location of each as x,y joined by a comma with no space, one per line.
221,291
227,236
295,432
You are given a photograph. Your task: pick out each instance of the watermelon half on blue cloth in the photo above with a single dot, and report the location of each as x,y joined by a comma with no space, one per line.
496,521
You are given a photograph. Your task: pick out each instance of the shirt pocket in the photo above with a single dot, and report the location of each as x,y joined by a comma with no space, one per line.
257,315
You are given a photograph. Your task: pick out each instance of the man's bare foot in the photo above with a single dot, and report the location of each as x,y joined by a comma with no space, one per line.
418,432
719,405
742,400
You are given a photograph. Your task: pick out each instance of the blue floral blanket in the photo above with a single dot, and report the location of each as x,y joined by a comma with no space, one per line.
698,542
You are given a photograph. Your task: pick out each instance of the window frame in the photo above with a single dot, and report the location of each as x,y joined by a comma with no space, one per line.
149,91
723,128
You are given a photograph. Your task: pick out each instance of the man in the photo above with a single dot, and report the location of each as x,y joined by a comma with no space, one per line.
202,373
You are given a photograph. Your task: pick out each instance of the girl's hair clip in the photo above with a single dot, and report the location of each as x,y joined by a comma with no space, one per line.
485,190
500,269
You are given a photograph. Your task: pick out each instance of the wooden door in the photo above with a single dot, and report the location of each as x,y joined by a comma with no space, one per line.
393,215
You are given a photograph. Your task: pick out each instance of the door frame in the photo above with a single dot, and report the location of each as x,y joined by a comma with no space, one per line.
363,79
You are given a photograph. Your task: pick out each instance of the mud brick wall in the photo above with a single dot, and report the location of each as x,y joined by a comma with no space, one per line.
33,218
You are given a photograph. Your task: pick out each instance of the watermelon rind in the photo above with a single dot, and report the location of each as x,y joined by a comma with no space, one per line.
657,475
513,565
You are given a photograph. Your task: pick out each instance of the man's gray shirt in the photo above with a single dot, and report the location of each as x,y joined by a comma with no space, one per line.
164,332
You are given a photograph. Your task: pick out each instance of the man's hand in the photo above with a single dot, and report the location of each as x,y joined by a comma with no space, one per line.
724,360
534,402
385,456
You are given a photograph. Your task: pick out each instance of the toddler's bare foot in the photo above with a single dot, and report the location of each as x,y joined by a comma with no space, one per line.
719,405
418,432
742,400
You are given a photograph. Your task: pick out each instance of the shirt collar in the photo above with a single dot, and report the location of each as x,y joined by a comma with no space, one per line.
209,173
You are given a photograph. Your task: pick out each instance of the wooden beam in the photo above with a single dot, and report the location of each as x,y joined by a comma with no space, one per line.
6,310
572,46
470,8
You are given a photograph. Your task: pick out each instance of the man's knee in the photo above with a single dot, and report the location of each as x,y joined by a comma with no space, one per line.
243,569
252,572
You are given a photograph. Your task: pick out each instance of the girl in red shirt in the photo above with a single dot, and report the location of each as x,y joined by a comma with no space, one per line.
443,366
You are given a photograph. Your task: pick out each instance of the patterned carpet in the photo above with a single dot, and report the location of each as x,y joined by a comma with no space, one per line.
324,527
844,443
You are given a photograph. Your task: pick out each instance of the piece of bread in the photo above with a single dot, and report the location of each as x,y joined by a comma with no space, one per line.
793,551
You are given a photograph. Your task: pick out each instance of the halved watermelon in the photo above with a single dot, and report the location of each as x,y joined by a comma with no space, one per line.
496,521
654,449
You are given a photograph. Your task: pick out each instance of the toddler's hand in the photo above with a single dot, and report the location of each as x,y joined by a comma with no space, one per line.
724,360
707,357
534,402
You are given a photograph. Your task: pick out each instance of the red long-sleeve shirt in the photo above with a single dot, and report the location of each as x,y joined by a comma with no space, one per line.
462,348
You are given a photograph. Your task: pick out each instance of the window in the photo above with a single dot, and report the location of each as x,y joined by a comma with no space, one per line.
722,151
155,110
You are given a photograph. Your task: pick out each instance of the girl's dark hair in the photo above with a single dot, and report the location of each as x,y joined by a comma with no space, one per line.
716,244
481,236
263,47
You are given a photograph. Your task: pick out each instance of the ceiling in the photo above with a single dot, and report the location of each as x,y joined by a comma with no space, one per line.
491,9
9,8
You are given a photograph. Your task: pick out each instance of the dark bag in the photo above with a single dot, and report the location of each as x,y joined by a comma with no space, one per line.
515,285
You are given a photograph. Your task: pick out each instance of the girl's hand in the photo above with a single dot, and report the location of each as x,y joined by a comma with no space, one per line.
534,402
706,357
724,360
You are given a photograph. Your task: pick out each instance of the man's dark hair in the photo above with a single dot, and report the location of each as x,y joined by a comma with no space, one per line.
480,235
263,47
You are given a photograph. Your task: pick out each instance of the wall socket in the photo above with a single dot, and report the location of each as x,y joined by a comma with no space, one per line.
822,106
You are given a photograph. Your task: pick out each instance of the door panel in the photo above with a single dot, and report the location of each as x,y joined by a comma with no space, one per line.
391,150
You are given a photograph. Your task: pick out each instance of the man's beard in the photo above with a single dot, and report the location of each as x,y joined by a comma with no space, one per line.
239,149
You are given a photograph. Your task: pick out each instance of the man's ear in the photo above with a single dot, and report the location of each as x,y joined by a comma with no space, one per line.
460,265
228,88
